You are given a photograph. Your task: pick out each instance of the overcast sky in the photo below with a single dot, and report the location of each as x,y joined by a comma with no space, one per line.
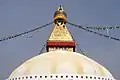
21,15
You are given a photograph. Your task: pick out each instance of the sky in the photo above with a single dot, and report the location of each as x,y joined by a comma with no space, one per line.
17,16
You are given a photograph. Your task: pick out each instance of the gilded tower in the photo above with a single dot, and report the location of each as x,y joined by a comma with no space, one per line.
60,38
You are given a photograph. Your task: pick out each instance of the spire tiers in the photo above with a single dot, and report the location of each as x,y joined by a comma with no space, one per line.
60,37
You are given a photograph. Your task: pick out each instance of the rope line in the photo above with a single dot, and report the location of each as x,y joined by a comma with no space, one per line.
78,47
100,34
103,28
23,33
43,48
80,50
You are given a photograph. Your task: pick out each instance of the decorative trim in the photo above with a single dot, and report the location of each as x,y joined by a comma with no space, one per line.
64,44
58,77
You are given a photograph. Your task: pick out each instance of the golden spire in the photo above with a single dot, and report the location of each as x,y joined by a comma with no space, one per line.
60,36
60,31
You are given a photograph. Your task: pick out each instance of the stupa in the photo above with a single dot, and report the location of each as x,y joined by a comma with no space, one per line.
61,61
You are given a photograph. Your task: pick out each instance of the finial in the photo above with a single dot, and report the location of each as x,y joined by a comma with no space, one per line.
60,8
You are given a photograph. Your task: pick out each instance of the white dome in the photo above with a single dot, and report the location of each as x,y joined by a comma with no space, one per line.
61,62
